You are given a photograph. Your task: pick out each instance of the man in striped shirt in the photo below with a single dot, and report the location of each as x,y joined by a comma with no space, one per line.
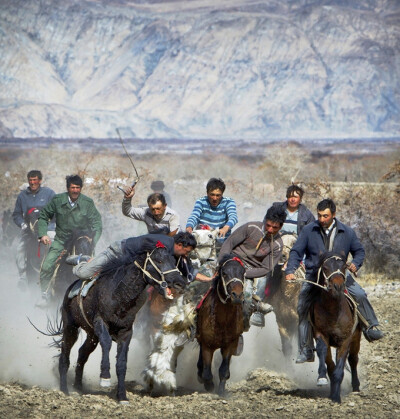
214,210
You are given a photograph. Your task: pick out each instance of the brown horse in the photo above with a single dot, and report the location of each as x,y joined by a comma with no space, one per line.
335,324
220,321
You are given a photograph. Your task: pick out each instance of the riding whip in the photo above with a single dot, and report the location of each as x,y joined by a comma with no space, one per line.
136,180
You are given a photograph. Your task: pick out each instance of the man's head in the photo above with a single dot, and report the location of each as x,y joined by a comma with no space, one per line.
294,195
34,180
326,210
157,205
157,186
274,219
215,190
74,186
184,243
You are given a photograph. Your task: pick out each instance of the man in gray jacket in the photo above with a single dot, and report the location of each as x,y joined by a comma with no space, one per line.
34,196
259,245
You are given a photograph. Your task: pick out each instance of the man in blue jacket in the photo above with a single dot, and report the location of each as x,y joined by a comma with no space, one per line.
327,233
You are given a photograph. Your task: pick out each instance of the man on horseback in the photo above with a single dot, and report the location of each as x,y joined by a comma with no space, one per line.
180,246
34,196
158,217
72,210
214,210
328,234
259,246
297,214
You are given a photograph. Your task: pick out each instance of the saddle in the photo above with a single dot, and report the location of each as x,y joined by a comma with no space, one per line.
82,287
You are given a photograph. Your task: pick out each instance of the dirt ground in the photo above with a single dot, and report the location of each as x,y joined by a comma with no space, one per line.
274,389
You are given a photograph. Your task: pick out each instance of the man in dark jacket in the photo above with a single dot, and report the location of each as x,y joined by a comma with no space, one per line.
297,214
34,196
327,233
72,211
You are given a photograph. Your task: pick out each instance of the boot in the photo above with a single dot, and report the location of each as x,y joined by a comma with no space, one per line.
372,333
259,306
44,301
257,319
306,350
76,259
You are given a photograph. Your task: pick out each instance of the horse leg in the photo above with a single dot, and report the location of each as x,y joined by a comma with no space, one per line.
85,350
105,340
207,377
70,335
200,367
338,373
224,372
353,361
122,358
322,349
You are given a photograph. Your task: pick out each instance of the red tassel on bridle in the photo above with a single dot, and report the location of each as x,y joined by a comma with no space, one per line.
160,245
238,260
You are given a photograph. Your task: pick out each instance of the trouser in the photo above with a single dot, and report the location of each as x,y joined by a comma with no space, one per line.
20,257
49,264
306,297
86,270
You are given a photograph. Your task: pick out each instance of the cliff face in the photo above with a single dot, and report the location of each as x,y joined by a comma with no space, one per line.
200,69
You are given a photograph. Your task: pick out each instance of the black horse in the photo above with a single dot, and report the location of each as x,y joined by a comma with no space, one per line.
108,311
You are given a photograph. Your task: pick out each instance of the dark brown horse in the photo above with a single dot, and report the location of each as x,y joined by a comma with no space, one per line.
335,324
108,311
220,321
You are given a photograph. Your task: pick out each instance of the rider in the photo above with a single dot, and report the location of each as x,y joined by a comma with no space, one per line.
259,246
179,245
34,196
328,233
158,217
72,211
297,214
214,210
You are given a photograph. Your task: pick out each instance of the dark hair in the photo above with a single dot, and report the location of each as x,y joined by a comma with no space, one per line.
74,179
292,189
276,213
155,197
186,239
215,183
34,173
326,204
157,185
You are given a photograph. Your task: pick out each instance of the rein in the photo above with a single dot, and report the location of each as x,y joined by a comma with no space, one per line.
161,282
225,284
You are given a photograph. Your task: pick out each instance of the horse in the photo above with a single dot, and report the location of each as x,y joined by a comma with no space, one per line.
35,250
108,311
335,324
80,242
220,321
283,296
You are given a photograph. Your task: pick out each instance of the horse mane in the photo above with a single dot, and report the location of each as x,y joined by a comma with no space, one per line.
326,255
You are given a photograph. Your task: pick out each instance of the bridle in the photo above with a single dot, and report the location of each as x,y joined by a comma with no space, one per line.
161,282
225,284
327,278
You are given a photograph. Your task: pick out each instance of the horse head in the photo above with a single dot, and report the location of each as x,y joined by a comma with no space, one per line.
230,280
80,242
31,220
159,268
332,273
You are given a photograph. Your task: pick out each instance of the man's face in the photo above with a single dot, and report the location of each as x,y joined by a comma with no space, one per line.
158,210
214,197
293,201
74,191
179,250
34,183
325,218
272,227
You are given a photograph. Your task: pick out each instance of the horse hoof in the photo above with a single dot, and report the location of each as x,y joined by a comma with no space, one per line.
323,381
105,382
124,402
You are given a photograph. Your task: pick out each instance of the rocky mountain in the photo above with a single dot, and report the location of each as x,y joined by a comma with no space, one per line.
227,69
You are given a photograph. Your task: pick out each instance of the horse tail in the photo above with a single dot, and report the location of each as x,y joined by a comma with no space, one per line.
54,329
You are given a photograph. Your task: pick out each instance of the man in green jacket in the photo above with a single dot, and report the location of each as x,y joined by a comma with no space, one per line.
72,211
